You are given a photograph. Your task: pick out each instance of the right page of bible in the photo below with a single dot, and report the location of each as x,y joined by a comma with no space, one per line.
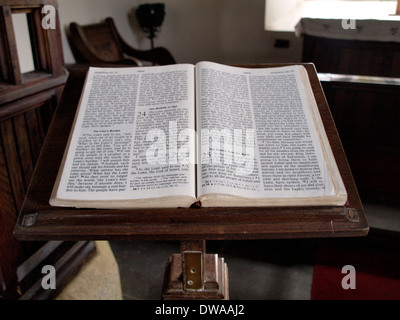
261,140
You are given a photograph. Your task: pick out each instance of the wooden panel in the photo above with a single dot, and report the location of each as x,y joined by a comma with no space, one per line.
45,114
6,193
34,132
24,149
13,162
23,129
23,126
10,254
375,58
5,67
10,62
22,137
11,250
27,104
367,118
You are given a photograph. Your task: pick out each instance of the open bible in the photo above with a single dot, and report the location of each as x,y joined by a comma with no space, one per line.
171,136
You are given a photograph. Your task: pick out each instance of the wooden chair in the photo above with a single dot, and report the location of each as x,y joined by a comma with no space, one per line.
101,44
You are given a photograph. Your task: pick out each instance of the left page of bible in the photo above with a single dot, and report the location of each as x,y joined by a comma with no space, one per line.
131,140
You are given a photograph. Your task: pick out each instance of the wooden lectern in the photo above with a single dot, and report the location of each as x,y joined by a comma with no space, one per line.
192,274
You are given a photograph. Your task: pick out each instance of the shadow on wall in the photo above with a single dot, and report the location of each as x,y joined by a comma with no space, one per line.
139,35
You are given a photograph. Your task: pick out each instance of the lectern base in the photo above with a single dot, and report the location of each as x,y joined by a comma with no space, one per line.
215,284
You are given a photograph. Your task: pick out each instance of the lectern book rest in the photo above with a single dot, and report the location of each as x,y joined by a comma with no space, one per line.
208,134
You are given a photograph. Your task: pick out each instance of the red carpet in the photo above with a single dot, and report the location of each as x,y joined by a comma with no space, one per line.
376,259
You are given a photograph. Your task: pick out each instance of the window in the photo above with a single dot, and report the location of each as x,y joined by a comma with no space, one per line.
23,40
285,18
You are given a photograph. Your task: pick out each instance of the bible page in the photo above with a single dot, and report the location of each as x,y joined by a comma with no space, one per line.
130,139
257,135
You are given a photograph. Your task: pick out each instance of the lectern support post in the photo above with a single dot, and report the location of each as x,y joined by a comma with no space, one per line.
193,274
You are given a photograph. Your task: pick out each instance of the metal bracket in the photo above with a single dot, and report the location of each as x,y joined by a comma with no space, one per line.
29,220
352,215
193,270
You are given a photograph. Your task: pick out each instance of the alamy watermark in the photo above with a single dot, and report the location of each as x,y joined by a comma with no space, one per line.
219,146
49,20
49,279
349,280
349,24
